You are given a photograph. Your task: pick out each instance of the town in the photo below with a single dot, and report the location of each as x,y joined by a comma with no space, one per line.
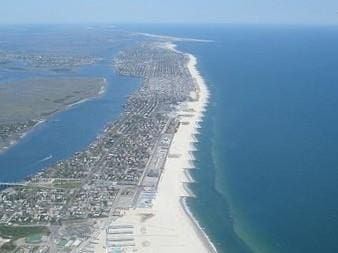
120,170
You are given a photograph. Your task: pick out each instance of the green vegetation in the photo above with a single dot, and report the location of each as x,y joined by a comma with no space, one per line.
7,247
62,243
66,183
28,99
16,232
34,238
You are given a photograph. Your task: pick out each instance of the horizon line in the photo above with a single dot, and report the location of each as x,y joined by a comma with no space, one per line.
166,23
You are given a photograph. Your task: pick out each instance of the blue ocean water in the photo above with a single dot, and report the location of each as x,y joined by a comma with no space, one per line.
267,163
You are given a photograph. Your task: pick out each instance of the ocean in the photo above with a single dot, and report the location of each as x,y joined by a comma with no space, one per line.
266,177
267,165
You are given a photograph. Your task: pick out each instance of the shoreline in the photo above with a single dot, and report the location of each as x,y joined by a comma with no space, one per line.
204,99
40,121
15,141
172,38
170,225
167,224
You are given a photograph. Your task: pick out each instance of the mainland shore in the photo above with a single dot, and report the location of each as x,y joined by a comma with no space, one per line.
39,116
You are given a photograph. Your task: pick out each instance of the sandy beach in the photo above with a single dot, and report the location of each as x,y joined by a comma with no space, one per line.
168,226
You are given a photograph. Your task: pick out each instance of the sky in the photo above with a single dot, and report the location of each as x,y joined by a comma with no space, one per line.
169,11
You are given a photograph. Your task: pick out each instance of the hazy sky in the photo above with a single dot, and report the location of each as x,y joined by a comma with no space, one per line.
169,11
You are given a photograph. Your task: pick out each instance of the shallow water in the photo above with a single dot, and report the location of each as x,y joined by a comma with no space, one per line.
273,134
267,165
266,169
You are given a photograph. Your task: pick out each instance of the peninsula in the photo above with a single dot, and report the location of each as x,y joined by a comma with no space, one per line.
125,192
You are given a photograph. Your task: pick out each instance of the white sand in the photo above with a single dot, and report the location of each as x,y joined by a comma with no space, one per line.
171,38
168,227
